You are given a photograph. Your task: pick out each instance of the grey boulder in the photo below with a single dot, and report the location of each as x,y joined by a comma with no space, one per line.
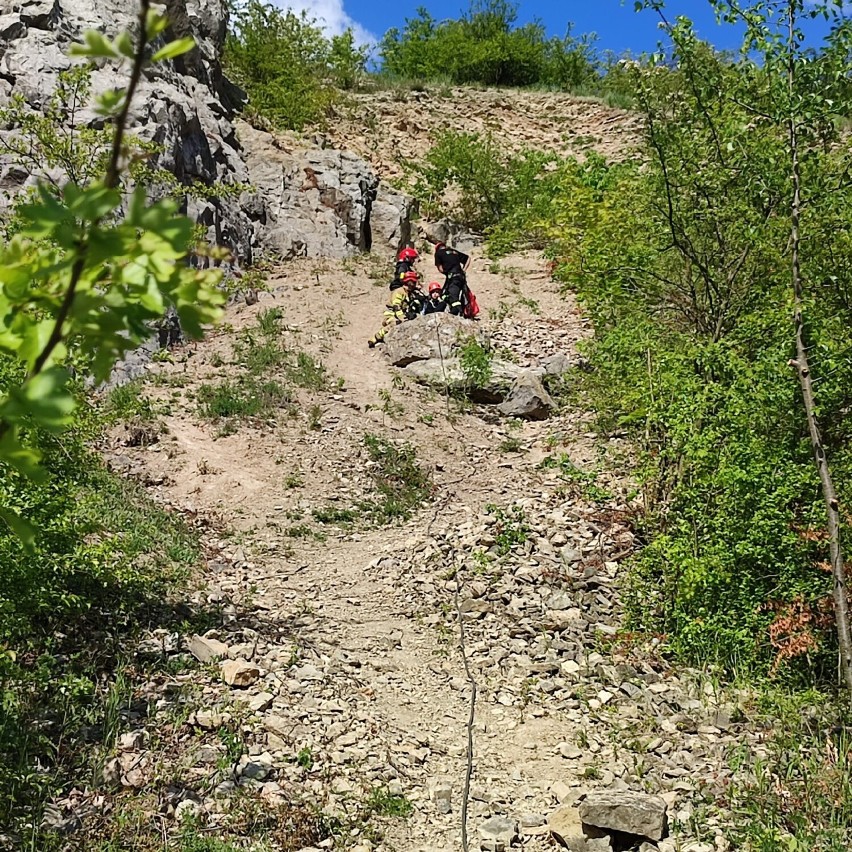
527,398
629,812
431,337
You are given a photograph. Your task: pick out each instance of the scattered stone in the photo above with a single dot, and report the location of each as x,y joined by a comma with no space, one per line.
260,702
556,365
207,650
561,791
498,834
239,672
131,741
112,772
187,809
629,812
442,795
209,720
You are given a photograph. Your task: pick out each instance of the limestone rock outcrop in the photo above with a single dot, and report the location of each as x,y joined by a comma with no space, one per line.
307,202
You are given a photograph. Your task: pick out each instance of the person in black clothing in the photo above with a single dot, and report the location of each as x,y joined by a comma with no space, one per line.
452,264
404,263
436,303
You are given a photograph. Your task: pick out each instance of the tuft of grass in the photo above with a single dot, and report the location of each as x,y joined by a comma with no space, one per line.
245,397
305,758
510,528
308,372
799,796
584,480
398,480
384,803
128,403
397,477
334,515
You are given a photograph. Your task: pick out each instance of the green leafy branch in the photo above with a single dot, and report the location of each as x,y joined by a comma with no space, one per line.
81,277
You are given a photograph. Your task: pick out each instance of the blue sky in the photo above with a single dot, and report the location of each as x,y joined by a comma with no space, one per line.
617,26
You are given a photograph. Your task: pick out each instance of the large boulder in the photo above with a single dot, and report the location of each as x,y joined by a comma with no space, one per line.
629,812
434,336
447,374
527,398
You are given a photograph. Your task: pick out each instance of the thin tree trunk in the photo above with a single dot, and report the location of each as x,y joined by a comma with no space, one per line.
838,568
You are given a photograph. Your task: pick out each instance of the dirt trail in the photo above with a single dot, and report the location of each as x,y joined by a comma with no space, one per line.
353,634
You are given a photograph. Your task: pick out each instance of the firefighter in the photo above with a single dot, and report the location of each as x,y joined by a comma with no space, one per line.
397,308
404,263
452,264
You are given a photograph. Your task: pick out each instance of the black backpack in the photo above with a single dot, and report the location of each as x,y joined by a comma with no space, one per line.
402,266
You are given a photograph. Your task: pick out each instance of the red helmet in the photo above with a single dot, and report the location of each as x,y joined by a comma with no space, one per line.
433,286
439,246
408,254
409,278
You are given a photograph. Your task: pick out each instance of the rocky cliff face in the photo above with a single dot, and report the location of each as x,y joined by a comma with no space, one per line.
187,108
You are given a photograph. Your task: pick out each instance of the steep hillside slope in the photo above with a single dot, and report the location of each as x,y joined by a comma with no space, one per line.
342,625
396,127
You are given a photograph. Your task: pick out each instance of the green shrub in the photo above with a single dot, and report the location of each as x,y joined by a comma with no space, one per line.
683,266
484,46
487,183
476,362
290,70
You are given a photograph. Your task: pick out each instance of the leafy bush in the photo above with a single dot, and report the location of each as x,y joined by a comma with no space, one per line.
291,72
484,46
683,265
487,183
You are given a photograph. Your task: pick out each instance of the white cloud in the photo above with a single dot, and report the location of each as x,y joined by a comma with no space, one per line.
331,15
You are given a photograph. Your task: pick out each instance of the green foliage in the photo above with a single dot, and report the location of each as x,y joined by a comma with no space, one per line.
484,46
475,361
568,471
384,803
129,402
51,138
487,182
289,69
333,515
510,527
683,266
799,796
